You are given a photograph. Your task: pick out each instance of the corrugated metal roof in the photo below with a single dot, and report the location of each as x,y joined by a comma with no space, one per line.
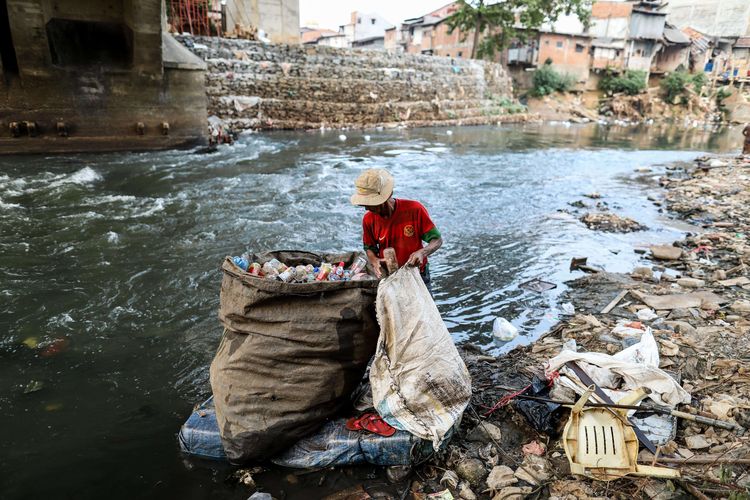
608,43
743,43
673,35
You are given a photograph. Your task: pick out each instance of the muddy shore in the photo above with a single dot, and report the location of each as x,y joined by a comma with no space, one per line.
704,343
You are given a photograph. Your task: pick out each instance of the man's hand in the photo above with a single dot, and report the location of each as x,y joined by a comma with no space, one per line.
417,258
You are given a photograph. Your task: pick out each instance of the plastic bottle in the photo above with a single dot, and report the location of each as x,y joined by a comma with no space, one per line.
300,274
288,274
503,330
323,272
241,262
359,265
340,270
254,269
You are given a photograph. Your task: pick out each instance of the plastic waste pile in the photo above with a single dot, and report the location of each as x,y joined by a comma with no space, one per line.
276,270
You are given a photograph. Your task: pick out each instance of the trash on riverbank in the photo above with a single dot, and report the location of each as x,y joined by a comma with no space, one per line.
700,331
611,223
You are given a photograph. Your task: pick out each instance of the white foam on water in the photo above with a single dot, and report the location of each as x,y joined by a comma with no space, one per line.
61,320
4,205
101,200
83,177
113,237
158,206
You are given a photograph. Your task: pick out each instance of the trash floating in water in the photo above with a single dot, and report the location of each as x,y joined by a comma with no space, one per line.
367,138
54,347
503,330
33,386
449,132
568,309
31,342
342,137
537,285
277,270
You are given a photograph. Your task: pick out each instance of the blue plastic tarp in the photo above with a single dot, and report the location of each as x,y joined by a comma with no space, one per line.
332,445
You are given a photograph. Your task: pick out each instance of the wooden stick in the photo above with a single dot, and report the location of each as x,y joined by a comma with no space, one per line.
615,301
704,461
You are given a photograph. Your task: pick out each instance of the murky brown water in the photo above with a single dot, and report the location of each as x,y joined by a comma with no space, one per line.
117,255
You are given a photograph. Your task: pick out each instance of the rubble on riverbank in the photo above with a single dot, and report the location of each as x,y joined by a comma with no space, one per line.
695,298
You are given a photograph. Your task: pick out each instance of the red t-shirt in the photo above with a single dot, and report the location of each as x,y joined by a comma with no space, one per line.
404,230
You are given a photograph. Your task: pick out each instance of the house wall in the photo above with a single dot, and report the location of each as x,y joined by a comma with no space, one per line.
569,54
100,102
367,25
607,57
450,44
391,41
648,26
640,54
610,19
670,58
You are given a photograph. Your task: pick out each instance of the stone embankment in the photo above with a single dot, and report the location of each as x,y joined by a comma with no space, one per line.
252,85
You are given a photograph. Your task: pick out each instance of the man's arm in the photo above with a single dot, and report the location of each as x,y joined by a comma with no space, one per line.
375,263
418,257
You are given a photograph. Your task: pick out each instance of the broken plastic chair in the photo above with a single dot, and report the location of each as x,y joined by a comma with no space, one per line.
601,444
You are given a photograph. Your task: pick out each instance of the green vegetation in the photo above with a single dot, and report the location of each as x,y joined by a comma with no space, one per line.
631,82
676,85
510,107
497,24
722,94
547,81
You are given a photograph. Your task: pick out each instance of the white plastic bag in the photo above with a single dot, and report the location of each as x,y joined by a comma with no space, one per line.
634,367
504,330
419,382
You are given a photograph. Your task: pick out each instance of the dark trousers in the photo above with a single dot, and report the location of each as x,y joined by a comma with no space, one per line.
426,278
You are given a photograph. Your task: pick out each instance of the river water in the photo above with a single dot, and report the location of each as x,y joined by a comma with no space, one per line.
109,289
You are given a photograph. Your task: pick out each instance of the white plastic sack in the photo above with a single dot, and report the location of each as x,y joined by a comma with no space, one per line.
419,382
634,367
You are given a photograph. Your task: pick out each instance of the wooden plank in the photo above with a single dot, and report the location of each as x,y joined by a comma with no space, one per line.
614,302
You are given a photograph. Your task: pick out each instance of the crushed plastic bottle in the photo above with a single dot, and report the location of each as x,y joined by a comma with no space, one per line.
241,262
359,265
503,330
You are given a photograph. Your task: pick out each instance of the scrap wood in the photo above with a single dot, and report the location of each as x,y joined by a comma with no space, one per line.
615,301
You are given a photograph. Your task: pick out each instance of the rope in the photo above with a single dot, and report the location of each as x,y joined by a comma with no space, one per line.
505,400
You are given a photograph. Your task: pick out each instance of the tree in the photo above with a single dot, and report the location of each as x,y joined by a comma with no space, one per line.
506,20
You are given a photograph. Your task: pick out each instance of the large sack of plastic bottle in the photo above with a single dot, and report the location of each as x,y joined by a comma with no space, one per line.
291,354
419,382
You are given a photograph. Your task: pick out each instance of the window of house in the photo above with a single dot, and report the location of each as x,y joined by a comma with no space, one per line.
359,20
579,47
372,21
546,42
460,53
559,45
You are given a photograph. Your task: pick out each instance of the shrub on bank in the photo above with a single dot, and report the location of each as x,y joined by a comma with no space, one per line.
676,84
630,82
547,81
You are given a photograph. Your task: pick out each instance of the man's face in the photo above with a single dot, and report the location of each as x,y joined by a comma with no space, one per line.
376,209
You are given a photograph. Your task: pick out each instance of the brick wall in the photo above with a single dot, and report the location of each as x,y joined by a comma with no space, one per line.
253,85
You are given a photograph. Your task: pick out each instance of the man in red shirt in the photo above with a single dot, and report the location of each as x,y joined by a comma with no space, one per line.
396,223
